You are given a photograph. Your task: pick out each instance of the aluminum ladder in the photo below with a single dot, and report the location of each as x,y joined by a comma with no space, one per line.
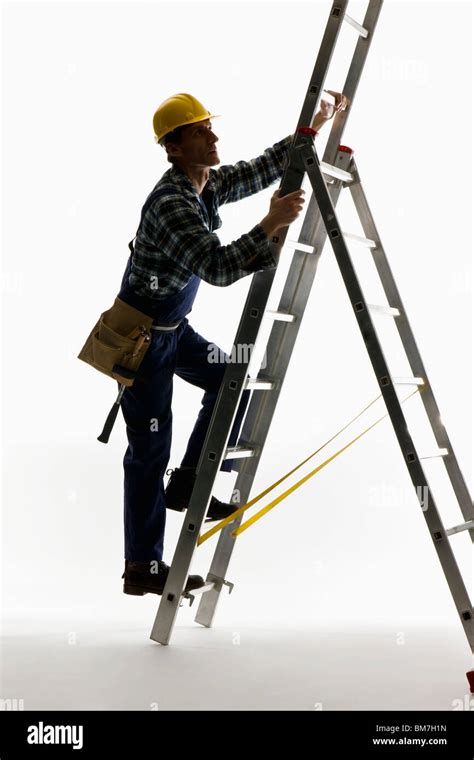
337,171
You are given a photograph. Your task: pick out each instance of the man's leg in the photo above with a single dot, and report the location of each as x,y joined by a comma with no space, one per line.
193,365
146,407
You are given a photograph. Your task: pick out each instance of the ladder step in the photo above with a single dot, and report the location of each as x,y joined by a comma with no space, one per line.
359,239
259,384
408,381
458,528
297,246
333,171
239,452
438,453
361,29
201,589
280,316
383,310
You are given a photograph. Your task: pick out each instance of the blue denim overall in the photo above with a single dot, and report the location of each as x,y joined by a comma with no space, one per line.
146,407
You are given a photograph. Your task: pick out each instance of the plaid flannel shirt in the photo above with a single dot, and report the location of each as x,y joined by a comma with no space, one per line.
175,238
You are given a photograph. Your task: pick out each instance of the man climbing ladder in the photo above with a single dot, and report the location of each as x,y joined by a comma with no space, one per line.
175,248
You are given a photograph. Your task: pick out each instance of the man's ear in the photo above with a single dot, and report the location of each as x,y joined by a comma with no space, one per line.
173,149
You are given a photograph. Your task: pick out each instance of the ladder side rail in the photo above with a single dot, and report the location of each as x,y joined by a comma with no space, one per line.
323,60
412,461
409,343
211,458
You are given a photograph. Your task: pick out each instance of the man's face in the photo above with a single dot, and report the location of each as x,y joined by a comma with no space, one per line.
198,146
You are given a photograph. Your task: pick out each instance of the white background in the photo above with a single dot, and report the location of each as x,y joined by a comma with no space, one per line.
80,84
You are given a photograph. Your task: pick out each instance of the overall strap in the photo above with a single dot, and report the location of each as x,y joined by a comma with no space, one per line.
207,200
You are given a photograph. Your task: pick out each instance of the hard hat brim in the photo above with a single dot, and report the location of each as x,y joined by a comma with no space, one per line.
186,123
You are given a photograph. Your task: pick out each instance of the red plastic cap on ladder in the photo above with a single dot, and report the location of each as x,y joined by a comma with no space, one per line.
308,131
345,149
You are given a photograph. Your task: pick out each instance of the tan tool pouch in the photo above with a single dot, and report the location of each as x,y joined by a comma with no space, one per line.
118,342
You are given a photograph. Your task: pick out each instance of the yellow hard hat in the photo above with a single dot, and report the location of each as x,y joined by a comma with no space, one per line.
177,111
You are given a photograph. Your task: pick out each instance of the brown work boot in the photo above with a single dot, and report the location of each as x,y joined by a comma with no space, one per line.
150,578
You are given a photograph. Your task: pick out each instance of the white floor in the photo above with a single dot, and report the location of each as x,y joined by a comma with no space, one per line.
83,663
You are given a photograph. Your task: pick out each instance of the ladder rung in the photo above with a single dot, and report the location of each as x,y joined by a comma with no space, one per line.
297,246
333,171
359,239
201,589
408,381
458,528
239,452
438,453
361,29
383,310
259,385
280,316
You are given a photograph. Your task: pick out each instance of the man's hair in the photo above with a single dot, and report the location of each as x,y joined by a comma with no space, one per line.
176,136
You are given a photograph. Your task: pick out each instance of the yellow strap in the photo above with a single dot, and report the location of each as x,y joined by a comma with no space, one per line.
222,524
283,496
280,498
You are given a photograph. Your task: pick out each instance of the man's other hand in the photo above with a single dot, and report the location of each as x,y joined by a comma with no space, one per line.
327,110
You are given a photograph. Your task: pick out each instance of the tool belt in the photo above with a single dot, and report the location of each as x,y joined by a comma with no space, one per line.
118,342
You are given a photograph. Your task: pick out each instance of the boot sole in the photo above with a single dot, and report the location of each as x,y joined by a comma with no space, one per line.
138,590
207,519
216,519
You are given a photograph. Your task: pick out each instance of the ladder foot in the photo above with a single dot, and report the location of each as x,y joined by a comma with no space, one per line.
470,678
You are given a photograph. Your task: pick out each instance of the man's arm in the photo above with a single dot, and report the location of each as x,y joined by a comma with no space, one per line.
240,180
327,110
180,233
237,181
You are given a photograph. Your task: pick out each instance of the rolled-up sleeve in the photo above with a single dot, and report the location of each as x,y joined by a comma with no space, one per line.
190,245
237,181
